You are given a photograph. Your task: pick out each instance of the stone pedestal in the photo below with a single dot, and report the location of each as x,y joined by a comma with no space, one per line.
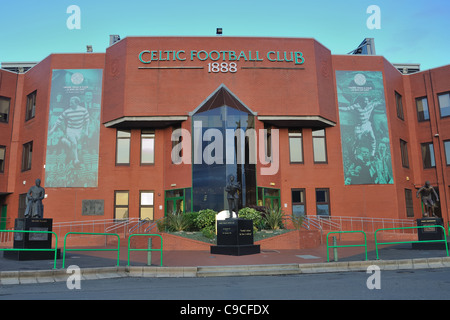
27,240
235,237
432,233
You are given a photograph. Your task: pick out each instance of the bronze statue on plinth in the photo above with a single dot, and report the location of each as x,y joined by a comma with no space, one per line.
35,195
233,188
426,193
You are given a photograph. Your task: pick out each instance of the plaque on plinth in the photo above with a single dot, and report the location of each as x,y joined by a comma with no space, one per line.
430,233
29,240
235,237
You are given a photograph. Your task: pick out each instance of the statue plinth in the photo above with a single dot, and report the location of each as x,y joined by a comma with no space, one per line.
30,240
235,237
430,233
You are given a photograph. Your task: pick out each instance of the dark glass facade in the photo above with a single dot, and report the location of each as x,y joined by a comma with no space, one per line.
217,132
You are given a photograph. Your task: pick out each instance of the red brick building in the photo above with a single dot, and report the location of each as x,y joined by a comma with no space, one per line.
337,135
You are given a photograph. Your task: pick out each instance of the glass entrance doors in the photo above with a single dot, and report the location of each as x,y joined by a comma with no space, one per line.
224,149
269,197
177,201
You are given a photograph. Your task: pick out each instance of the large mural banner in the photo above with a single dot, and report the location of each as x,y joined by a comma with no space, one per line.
74,129
364,128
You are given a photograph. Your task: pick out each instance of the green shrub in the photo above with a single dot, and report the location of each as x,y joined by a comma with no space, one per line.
190,217
161,225
209,232
205,218
176,222
252,214
274,218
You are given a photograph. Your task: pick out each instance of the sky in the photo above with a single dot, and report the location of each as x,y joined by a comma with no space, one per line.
408,31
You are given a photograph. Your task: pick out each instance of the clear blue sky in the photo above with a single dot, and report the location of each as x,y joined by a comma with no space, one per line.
411,31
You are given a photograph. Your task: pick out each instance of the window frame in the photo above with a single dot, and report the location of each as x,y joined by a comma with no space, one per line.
399,105
328,202
176,143
22,205
432,155
268,143
404,153
121,206
118,138
8,111
419,118
30,111
409,205
302,203
293,136
149,135
439,103
316,138
262,195
446,144
146,206
2,161
27,156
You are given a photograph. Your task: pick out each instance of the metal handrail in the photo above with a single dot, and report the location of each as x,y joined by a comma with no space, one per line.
83,222
312,222
84,249
368,224
346,246
154,224
139,224
419,241
121,224
327,221
33,249
148,249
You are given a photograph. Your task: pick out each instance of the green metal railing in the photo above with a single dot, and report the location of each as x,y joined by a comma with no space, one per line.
346,246
148,249
33,249
84,249
419,241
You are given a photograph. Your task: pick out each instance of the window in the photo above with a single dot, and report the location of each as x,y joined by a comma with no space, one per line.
444,104
404,153
22,205
4,109
268,142
428,155
323,202
175,201
399,104
447,151
178,201
176,144
409,203
422,109
319,146
120,205
298,202
31,106
27,152
209,181
146,205
2,158
123,147
269,197
147,146
295,146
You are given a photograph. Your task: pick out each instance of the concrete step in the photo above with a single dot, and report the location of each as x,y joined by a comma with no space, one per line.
250,270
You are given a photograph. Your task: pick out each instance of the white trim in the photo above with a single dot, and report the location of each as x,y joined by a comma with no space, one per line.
144,119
